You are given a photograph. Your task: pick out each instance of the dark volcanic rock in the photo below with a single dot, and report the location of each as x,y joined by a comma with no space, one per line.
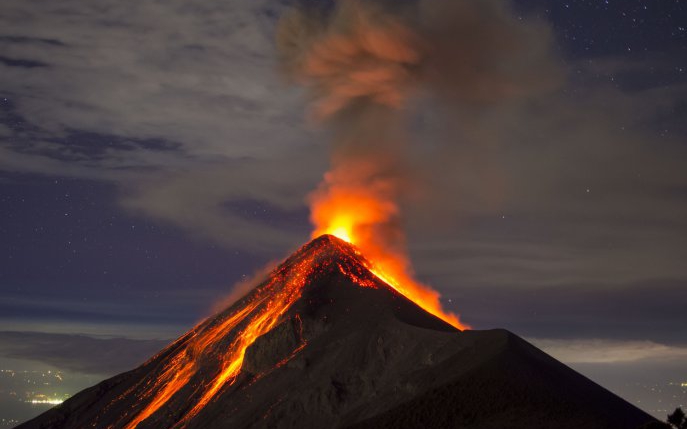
272,348
346,356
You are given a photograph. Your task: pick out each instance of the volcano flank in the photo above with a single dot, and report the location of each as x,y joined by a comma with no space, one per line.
324,343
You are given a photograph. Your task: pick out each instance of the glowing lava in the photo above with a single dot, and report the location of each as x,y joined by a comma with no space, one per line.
364,213
261,312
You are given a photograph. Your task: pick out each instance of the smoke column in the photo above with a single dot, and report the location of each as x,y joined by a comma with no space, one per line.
362,62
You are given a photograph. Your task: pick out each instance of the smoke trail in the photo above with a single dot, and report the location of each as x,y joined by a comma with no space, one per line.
365,54
362,62
360,55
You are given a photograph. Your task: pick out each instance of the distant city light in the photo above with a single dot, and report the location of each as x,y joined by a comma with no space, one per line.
46,401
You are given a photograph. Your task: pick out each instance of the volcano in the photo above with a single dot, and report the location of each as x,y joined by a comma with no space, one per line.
324,343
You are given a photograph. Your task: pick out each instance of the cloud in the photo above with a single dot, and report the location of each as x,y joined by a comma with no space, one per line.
645,310
196,74
374,53
199,201
17,62
180,105
162,313
102,356
569,188
203,79
600,351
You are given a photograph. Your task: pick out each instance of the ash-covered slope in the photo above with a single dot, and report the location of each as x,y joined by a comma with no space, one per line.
323,343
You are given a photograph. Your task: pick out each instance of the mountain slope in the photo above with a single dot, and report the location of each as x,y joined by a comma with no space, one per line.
324,343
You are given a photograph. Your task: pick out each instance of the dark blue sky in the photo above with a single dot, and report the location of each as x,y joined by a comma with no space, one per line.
66,239
151,157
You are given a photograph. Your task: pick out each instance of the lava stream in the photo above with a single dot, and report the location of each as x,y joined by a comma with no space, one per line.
259,316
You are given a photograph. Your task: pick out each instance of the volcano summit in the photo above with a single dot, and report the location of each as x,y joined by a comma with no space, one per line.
324,343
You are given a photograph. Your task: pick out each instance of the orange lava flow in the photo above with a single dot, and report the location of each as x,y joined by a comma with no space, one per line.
352,211
182,366
273,306
252,320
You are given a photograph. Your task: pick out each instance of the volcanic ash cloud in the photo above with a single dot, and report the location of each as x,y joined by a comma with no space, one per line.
361,63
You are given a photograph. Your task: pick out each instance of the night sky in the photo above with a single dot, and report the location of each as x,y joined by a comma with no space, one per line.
152,156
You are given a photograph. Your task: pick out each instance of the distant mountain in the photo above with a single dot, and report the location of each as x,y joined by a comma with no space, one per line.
324,343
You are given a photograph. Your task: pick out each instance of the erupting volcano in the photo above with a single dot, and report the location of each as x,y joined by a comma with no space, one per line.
324,342
341,334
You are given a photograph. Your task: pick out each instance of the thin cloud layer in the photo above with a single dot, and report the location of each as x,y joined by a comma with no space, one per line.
79,353
158,99
600,351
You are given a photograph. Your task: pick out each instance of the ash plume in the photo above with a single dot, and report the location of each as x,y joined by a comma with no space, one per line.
363,61
373,53
359,54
